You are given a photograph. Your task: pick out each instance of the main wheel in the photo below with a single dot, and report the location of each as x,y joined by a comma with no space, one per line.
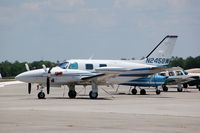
179,89
134,91
72,94
41,95
158,92
165,88
142,92
93,95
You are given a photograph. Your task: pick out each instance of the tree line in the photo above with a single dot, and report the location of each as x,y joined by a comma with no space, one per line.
9,69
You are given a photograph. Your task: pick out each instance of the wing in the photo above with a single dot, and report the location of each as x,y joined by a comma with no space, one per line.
180,79
103,74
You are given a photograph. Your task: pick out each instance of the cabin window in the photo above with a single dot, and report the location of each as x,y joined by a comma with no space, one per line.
102,65
89,66
162,74
171,73
73,66
179,73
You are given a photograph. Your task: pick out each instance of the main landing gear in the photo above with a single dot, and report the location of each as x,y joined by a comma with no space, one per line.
179,88
94,92
165,88
72,93
143,91
134,91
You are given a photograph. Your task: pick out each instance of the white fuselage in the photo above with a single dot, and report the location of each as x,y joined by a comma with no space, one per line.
72,71
130,69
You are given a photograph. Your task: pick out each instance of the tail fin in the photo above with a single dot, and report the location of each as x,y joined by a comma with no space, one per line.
161,54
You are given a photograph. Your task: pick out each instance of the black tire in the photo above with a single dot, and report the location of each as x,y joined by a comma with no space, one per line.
185,85
93,95
165,88
179,89
142,92
41,95
72,94
134,91
158,92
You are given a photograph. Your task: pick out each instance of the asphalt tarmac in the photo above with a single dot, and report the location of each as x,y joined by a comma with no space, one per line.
169,112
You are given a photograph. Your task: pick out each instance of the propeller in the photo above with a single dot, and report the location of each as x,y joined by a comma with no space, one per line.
29,84
48,77
29,88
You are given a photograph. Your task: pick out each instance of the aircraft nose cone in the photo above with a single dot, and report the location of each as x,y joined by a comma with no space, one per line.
20,77
33,76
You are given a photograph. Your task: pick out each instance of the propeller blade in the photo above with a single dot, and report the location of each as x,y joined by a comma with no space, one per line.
48,78
48,85
27,67
29,88
50,70
44,67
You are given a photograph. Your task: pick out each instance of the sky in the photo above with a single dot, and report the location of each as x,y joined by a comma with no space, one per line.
32,30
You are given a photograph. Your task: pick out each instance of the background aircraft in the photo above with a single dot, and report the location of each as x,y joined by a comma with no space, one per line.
99,72
177,76
172,76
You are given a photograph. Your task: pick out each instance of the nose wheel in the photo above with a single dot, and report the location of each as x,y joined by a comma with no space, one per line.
41,95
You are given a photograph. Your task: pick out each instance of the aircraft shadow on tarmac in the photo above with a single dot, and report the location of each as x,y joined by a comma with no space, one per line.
77,98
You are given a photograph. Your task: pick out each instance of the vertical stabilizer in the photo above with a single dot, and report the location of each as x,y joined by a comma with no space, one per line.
162,53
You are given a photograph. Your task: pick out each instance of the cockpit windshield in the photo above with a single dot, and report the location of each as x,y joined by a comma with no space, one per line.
64,65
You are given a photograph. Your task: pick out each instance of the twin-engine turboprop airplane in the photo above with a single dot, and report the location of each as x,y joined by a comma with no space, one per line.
99,72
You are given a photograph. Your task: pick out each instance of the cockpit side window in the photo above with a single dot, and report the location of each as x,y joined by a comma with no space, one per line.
64,65
73,65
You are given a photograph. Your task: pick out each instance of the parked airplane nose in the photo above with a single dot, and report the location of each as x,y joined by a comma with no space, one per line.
32,76
22,77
